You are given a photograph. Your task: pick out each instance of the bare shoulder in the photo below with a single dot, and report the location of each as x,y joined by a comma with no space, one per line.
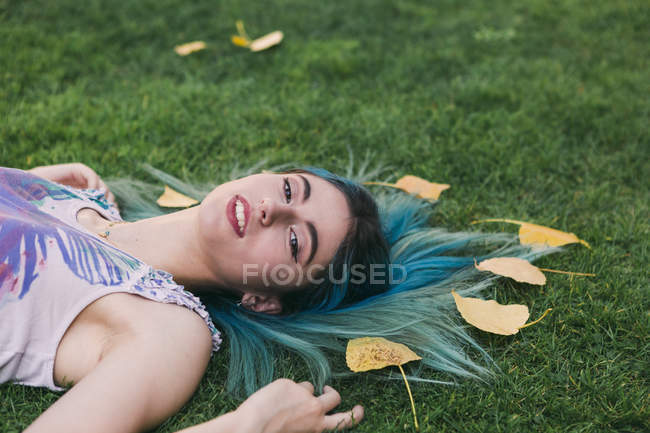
153,356
115,320
152,322
173,344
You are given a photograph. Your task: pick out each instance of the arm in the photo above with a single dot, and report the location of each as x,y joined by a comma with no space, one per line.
284,407
142,380
145,379
76,175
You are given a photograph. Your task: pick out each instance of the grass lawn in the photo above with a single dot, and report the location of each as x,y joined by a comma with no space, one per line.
536,110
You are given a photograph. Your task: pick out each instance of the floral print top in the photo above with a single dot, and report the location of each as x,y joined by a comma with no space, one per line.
51,268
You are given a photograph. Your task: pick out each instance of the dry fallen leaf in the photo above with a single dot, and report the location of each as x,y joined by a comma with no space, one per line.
416,185
536,234
189,48
267,41
240,41
530,234
491,316
512,267
259,44
422,188
171,198
372,353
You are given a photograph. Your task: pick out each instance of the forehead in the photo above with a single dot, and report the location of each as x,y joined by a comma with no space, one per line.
327,208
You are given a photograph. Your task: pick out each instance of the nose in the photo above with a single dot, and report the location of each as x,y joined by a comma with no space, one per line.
271,211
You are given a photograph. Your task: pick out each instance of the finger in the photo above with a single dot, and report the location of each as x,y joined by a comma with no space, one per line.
102,187
308,386
93,181
79,178
343,420
110,197
74,178
330,398
91,177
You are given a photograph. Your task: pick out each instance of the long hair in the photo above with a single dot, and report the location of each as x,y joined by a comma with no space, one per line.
415,308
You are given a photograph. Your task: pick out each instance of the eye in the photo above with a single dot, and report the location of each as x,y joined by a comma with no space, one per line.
293,242
287,190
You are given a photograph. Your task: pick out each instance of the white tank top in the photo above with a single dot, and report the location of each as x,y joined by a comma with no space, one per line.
51,268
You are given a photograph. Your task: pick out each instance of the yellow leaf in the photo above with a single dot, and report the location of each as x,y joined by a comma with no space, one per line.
240,41
171,198
515,268
491,316
373,353
420,187
536,234
416,185
267,41
189,48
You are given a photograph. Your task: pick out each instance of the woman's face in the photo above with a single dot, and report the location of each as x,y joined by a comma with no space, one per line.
263,234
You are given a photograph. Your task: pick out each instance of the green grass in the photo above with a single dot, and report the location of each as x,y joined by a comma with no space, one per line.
535,110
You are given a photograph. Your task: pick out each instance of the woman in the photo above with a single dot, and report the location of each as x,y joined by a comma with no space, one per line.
271,256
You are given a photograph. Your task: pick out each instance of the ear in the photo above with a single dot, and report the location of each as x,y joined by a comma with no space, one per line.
261,303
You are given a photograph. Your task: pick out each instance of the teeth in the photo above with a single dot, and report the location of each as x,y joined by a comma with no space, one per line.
239,213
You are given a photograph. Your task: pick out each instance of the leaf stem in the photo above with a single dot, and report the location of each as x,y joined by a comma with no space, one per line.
497,220
580,274
381,183
535,321
240,29
408,388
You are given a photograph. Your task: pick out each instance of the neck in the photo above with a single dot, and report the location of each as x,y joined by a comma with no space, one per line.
168,242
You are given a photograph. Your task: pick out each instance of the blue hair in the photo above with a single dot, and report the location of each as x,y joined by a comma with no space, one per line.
418,310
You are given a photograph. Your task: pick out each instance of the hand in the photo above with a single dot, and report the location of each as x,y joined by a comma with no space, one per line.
287,407
76,175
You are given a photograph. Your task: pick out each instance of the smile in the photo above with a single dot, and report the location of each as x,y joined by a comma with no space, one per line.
238,212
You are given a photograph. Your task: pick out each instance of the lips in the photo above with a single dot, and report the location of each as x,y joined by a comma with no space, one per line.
231,214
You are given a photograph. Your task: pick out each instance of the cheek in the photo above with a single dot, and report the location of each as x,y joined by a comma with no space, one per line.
269,248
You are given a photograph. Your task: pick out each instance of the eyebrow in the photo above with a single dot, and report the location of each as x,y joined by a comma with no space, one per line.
314,240
310,226
307,189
